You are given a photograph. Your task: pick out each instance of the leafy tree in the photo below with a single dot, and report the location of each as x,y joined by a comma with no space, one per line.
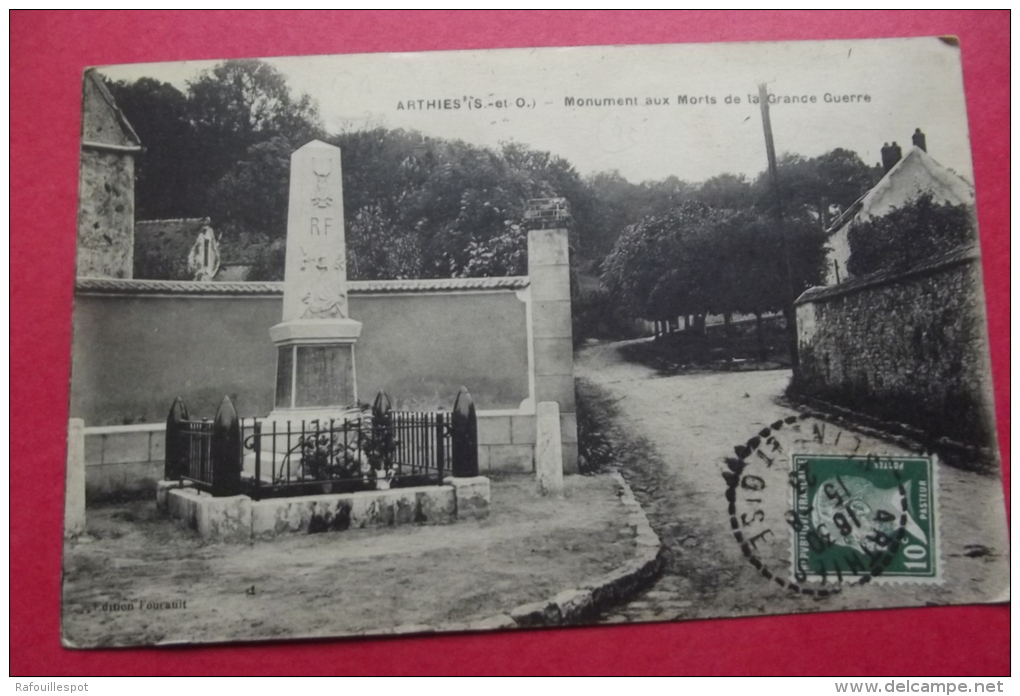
241,102
908,234
753,252
232,108
220,149
251,197
698,260
426,207
269,262
501,255
657,265
158,113
814,185
378,248
618,203
727,191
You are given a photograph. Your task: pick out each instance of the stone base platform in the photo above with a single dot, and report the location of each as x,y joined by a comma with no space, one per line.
239,519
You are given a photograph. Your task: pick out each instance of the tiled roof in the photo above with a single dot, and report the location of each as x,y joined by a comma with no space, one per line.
355,287
961,254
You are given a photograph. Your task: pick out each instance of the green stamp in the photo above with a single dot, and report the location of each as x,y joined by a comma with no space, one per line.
864,518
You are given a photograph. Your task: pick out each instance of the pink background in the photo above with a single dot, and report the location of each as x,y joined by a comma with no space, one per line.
49,50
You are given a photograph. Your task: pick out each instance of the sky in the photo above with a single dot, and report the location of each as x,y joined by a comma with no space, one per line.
878,91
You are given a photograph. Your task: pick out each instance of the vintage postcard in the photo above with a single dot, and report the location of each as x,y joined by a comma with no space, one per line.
377,344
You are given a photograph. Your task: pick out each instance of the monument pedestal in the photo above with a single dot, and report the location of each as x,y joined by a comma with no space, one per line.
315,371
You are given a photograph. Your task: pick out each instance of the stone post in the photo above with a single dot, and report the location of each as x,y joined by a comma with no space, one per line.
315,373
552,335
74,492
549,449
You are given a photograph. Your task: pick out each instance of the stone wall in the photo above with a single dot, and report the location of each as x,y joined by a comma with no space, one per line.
139,344
106,213
123,461
106,185
127,461
910,346
135,348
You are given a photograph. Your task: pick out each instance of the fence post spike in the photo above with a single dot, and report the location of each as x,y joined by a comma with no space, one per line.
226,450
464,422
382,429
175,455
381,403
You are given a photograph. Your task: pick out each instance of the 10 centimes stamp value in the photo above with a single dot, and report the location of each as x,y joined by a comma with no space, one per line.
860,516
815,511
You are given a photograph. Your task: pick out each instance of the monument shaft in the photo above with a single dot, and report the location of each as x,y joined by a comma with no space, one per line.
315,341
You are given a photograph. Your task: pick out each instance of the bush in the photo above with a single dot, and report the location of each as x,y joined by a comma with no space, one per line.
154,266
594,416
596,314
269,263
908,234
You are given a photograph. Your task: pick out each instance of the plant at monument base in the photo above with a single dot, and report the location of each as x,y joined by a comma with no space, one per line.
324,456
353,450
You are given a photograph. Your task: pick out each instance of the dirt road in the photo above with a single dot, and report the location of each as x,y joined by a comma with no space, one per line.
671,438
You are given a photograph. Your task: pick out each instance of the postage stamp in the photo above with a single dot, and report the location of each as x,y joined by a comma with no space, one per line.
853,515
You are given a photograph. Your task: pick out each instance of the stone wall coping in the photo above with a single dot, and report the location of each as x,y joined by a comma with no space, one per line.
121,286
960,255
125,429
161,427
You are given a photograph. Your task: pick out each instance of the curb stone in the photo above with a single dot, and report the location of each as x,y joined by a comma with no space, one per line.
587,600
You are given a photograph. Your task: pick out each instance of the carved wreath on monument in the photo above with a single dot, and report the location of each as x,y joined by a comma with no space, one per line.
327,299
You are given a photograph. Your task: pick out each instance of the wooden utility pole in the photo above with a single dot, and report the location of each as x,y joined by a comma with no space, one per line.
770,151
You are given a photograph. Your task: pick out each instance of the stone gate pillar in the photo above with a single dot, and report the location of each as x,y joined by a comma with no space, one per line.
552,334
315,369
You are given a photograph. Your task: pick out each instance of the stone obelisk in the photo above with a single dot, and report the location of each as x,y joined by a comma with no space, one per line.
315,341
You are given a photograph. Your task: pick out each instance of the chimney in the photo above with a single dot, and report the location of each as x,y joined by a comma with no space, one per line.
918,139
886,164
891,154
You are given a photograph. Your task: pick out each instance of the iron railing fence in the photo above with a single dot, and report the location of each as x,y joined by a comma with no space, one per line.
199,462
366,449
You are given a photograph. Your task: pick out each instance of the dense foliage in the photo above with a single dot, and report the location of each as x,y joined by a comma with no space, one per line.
202,146
721,248
700,260
908,234
417,206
